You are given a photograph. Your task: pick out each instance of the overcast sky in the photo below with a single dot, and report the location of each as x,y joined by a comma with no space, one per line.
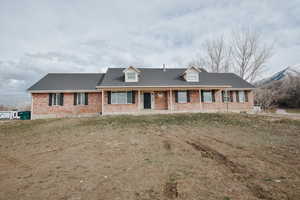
39,36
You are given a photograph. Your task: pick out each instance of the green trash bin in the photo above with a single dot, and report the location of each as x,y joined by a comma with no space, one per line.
24,115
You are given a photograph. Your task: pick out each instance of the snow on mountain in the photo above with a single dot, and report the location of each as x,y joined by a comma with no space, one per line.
281,75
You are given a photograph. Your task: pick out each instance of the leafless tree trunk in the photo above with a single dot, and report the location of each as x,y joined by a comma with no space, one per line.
216,56
249,54
245,54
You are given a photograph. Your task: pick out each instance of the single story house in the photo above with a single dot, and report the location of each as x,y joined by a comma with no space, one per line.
139,90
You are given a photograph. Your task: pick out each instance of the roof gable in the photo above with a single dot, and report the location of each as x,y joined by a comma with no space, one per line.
131,68
192,69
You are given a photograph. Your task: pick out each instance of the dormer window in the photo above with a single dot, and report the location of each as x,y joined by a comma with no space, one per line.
192,74
192,77
131,74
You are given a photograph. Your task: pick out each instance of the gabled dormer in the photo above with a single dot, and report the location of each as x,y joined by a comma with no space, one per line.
131,74
191,74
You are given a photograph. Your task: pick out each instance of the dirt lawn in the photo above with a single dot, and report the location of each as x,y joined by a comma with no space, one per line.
184,156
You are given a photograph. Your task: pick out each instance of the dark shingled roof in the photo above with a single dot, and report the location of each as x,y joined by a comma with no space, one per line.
114,77
68,81
172,77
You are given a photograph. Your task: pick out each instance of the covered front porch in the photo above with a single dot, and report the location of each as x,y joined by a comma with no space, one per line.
160,100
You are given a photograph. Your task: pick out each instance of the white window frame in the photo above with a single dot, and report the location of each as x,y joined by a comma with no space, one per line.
192,76
226,97
80,98
179,97
133,77
55,99
115,98
211,97
242,96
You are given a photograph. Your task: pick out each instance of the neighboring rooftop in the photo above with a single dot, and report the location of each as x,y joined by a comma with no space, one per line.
68,81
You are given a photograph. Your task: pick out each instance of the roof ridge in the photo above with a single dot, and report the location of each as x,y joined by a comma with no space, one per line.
149,68
75,73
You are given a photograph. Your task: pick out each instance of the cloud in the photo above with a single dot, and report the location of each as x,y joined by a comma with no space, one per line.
38,37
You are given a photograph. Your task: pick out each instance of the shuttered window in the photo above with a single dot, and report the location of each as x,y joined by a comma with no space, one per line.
207,96
80,98
182,96
122,97
56,99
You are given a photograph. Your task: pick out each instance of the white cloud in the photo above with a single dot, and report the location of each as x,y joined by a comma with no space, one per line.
38,37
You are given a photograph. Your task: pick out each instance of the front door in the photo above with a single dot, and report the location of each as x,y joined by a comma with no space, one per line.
147,100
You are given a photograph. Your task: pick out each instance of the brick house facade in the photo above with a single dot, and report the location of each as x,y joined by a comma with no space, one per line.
143,91
41,109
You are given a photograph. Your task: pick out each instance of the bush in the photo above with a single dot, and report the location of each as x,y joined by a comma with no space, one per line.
283,93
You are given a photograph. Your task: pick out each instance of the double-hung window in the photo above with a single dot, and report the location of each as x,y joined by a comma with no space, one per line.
192,77
131,76
81,98
121,97
207,96
182,96
56,99
241,96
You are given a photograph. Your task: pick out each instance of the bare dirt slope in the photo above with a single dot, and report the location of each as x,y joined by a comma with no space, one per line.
186,156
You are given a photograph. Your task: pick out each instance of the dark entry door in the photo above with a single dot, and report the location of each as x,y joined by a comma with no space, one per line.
147,101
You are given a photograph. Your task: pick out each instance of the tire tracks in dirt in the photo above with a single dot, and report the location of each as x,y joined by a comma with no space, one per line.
243,175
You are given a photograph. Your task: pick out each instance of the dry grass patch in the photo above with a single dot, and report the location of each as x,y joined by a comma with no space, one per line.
180,156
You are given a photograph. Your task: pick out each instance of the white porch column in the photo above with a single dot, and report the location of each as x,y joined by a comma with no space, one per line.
221,99
171,100
200,97
139,100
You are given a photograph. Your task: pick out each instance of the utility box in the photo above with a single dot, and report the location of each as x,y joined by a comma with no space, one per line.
24,115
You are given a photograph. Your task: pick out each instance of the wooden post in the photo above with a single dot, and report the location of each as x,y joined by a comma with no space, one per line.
171,100
200,98
139,100
221,99
102,102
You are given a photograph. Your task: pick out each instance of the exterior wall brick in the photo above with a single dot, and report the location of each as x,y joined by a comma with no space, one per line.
120,108
193,105
161,100
229,106
41,108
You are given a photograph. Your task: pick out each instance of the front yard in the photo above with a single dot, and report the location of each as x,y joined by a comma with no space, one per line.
179,156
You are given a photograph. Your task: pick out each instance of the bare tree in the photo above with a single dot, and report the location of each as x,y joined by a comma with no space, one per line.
216,56
264,97
281,93
245,54
249,54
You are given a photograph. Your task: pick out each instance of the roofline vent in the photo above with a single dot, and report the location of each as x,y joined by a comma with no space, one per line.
164,67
